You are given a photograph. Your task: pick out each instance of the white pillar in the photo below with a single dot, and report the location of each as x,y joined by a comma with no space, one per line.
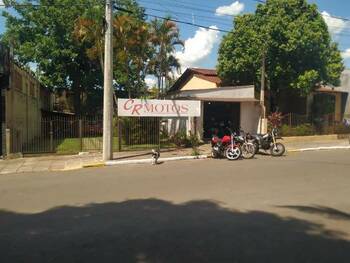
108,86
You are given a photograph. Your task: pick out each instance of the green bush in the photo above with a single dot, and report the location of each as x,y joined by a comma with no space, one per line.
341,129
193,140
138,130
181,139
300,130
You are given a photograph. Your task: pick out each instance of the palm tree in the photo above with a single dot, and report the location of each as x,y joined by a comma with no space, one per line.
164,37
91,32
132,51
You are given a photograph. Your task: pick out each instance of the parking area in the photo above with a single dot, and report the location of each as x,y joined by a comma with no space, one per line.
289,209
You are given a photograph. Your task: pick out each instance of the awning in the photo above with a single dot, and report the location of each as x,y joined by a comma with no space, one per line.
229,94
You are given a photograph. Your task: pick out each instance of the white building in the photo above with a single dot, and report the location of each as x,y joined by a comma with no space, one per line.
222,106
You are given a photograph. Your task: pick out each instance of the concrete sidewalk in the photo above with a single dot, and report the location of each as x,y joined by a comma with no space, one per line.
71,162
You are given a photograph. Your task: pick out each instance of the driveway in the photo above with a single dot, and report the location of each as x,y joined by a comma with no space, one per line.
290,209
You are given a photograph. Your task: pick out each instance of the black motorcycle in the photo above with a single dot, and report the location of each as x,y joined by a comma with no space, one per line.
269,142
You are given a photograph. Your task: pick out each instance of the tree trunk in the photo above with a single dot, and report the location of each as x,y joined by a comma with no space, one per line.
159,83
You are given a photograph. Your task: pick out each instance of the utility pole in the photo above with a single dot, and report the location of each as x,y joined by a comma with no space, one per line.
263,123
108,86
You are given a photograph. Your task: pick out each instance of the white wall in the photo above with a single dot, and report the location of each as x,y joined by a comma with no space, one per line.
250,115
345,86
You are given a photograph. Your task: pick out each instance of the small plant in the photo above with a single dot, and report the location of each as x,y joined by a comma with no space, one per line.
275,119
193,140
195,151
194,143
179,139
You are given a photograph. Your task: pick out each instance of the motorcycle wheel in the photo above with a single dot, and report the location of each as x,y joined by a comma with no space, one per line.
256,146
248,150
233,154
277,150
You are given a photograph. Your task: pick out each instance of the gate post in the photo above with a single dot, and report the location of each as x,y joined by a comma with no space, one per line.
119,127
81,134
51,137
8,142
159,132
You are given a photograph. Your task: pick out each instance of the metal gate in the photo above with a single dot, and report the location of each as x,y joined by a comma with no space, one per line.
70,135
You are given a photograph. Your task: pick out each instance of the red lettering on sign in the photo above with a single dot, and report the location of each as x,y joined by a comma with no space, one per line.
167,108
184,108
159,108
149,107
136,109
130,101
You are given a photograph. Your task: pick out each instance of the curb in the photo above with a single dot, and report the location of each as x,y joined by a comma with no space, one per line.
168,159
320,148
91,165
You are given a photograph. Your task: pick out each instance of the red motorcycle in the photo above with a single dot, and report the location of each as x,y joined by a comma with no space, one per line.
225,147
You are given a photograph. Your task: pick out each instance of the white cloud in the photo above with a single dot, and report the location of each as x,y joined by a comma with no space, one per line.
346,54
234,9
335,25
197,48
1,3
150,81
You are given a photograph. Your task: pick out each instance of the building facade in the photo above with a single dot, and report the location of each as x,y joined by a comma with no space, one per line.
23,99
234,107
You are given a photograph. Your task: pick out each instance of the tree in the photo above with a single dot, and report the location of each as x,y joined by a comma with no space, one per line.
89,29
132,52
131,45
42,33
165,37
294,39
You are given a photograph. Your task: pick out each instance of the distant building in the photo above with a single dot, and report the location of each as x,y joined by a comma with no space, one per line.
345,88
23,99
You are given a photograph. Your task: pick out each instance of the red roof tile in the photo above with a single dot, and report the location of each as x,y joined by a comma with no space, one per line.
211,78
206,74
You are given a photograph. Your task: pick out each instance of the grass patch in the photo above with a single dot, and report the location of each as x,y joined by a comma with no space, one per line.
72,145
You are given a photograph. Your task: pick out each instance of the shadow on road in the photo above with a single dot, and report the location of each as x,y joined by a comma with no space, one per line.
159,231
321,210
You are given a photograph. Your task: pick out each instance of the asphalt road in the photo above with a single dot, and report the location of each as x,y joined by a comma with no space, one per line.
289,209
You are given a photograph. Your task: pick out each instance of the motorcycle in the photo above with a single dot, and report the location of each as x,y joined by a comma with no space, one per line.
268,142
225,147
247,147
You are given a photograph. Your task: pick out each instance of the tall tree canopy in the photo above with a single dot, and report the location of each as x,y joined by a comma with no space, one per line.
293,37
131,45
164,37
64,39
42,33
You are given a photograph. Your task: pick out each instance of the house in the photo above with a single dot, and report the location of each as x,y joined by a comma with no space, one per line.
238,106
23,99
345,89
222,106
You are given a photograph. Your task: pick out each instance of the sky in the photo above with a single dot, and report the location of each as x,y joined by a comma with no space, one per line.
201,45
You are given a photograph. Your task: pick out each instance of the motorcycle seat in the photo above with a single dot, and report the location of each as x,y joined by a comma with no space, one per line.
262,135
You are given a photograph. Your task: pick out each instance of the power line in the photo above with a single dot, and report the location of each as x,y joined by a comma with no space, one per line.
175,20
159,17
204,18
186,7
